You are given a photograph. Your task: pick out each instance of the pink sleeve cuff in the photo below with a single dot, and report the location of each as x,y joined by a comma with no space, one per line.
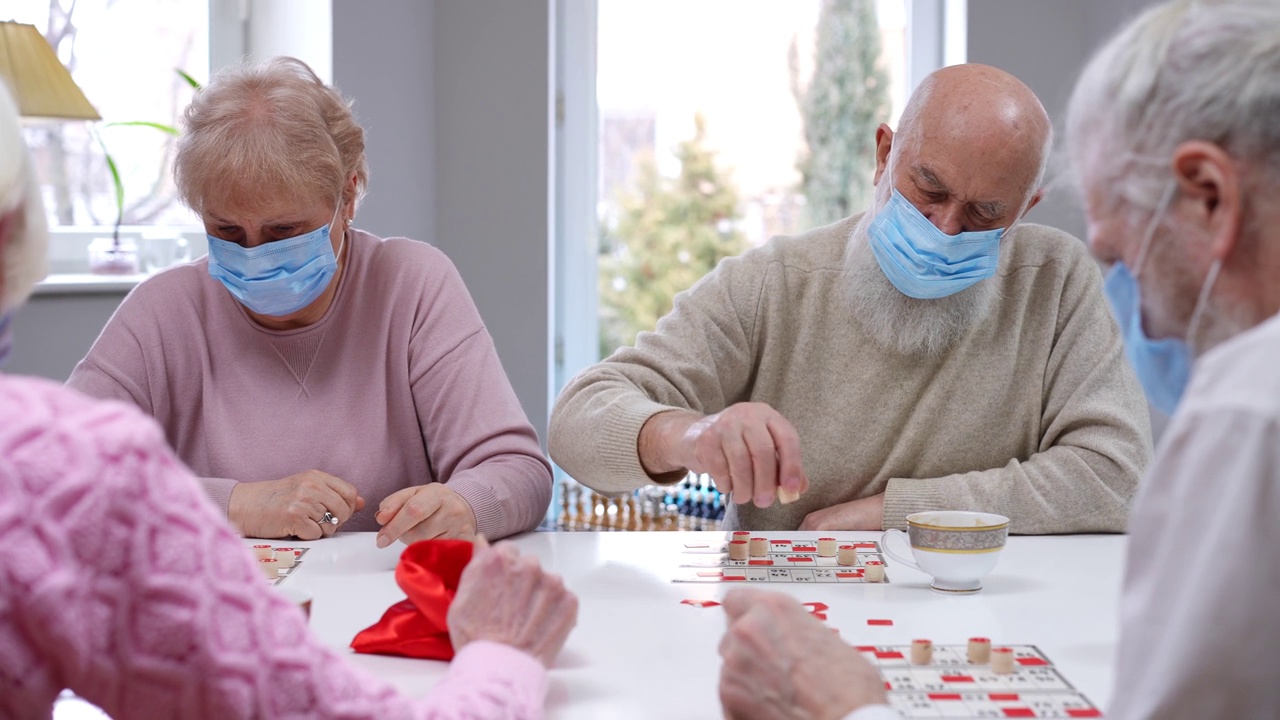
490,679
219,491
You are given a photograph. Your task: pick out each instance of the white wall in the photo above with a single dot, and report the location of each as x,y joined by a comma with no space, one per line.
383,59
1046,43
456,98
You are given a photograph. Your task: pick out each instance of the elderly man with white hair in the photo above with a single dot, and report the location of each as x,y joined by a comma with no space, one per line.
1171,134
933,353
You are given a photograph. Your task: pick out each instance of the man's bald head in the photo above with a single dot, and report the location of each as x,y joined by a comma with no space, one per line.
973,143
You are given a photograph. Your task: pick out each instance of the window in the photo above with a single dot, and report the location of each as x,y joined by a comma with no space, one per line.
699,110
681,139
124,55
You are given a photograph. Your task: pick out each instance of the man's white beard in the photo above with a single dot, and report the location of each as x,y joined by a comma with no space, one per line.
900,322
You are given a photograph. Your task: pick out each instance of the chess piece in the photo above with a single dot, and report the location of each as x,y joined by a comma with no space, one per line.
596,516
582,518
979,650
921,652
873,571
633,513
270,567
565,504
263,552
759,547
786,497
738,550
1002,660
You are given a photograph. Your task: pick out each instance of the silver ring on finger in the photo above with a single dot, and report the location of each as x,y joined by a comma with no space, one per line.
329,518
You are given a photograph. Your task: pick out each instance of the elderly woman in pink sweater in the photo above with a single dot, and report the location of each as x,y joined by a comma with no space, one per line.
313,375
90,495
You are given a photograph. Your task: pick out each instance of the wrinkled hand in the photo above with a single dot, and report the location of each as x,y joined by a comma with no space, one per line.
424,512
293,506
508,598
749,450
863,514
782,664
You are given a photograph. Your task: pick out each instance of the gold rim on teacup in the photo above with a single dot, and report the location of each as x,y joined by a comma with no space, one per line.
956,528
959,539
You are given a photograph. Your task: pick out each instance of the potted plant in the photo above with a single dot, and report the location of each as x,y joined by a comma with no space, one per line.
113,256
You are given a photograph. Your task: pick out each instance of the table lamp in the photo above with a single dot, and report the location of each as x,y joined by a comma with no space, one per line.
37,80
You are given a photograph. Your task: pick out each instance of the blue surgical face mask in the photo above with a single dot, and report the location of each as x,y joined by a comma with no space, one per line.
276,278
924,262
6,337
1163,366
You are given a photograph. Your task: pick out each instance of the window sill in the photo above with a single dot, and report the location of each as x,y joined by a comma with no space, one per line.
86,284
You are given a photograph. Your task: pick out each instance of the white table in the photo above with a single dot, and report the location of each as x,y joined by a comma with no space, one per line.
639,653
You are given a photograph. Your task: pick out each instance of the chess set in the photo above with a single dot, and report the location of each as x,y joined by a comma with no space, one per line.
959,682
278,563
692,504
749,557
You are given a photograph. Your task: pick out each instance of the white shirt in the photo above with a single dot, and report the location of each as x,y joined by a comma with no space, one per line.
1200,613
1199,632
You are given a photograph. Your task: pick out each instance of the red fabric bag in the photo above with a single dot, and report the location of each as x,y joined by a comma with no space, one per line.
428,572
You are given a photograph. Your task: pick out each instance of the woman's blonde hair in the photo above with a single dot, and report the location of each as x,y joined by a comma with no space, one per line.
24,247
268,130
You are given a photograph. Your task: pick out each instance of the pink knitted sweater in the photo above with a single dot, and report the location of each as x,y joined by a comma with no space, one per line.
398,384
119,580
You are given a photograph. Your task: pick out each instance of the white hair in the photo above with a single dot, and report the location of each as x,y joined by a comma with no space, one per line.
23,254
1182,70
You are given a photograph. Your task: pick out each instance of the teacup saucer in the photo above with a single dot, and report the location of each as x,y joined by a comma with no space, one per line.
956,588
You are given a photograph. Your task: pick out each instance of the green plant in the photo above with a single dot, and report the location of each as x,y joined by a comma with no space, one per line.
114,168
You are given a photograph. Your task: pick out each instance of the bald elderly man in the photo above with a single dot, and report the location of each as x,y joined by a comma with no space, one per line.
932,353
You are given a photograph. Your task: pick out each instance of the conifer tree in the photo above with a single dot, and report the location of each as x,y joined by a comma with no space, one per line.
846,98
670,233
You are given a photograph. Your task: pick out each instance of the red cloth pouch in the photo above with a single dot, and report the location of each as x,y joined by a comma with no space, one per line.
428,572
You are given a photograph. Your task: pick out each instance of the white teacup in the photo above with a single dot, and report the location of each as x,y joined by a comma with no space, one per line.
957,548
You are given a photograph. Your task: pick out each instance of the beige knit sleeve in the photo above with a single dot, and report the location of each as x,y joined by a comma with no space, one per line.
1095,432
699,358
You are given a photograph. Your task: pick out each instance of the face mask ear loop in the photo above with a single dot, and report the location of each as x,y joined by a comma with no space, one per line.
1202,302
343,242
1161,208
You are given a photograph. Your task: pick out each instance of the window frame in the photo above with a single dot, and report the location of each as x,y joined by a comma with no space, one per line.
237,28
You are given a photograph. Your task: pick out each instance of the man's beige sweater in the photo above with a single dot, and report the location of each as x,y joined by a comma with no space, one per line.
1034,413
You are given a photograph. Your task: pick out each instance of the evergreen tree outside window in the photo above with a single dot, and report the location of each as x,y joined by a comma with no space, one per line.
724,123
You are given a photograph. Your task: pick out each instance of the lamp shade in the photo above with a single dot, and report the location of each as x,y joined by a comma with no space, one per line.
39,83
